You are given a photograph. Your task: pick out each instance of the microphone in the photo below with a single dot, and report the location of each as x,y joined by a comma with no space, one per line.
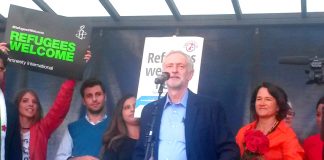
162,78
297,60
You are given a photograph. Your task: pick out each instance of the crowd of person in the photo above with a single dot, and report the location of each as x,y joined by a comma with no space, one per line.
181,125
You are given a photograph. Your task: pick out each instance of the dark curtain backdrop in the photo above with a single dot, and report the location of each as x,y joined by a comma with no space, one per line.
235,60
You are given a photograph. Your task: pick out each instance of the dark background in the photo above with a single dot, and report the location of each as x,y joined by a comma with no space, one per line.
235,60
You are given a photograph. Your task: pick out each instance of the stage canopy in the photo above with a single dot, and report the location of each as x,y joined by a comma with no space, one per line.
179,13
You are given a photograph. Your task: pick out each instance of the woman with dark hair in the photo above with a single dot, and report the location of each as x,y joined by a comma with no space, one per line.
268,108
36,130
120,138
19,101
313,145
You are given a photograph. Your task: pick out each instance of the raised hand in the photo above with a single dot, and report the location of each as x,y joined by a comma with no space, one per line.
87,55
4,48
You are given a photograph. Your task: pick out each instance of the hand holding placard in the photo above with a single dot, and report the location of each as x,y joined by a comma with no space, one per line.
4,48
37,42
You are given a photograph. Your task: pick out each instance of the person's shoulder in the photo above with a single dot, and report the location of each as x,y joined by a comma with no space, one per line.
155,103
204,97
76,122
151,104
148,108
201,97
241,132
106,120
312,138
204,101
247,126
285,129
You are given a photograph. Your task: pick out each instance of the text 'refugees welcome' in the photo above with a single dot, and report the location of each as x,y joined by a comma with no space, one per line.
42,46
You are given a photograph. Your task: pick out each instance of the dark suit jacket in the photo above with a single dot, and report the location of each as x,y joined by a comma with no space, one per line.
208,137
13,140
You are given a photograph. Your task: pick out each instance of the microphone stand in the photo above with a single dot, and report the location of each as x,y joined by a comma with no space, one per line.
150,143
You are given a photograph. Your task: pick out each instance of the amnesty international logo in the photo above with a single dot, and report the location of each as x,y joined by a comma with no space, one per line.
81,34
191,46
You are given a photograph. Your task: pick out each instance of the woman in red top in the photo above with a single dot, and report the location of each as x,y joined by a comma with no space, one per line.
269,107
35,130
313,145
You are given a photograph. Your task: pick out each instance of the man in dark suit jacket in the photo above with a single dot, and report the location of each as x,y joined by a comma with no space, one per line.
187,126
12,147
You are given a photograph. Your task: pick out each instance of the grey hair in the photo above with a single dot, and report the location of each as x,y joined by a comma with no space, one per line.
188,58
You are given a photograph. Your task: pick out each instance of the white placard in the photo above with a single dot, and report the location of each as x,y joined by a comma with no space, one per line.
155,48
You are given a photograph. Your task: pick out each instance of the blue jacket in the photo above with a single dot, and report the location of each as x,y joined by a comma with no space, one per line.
208,137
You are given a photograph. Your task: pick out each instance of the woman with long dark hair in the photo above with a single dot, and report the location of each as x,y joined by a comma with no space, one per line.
36,130
268,108
120,138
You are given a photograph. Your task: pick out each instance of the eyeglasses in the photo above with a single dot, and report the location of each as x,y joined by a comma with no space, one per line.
2,69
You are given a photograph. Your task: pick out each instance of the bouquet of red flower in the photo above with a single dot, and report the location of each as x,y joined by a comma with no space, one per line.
256,144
